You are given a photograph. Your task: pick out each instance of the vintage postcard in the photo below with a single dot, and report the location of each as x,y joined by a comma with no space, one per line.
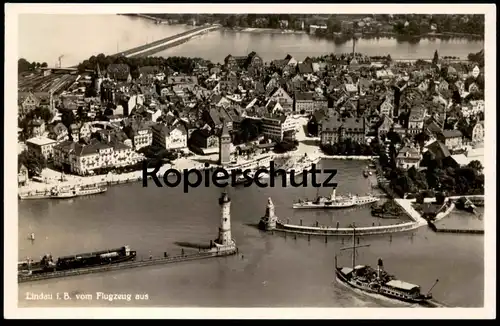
312,160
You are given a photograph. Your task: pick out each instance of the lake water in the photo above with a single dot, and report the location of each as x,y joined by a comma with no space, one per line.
271,270
274,271
77,37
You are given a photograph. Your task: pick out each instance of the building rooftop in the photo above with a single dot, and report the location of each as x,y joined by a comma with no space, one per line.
40,141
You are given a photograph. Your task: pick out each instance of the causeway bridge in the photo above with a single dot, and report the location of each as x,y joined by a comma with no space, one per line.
171,41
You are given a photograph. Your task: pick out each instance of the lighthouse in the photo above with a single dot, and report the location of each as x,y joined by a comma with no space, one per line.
225,223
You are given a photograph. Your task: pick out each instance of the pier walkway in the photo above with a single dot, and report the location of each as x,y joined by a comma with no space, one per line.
160,45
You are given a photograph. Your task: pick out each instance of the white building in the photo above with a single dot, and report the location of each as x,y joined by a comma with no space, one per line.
170,137
42,145
275,127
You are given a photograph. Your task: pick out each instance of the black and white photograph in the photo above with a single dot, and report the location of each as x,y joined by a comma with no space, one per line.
221,157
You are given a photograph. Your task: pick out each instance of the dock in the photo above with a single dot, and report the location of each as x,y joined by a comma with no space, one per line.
128,265
270,222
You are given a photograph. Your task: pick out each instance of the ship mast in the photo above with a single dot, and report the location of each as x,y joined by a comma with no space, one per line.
354,246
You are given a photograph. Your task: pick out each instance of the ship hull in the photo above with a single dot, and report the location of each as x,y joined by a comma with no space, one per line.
313,206
335,206
341,278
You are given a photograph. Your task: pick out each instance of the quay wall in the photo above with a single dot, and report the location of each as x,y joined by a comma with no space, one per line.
370,230
348,158
472,231
128,265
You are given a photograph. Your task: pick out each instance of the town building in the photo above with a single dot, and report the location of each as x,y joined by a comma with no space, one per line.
140,133
416,120
42,145
408,157
478,132
335,129
86,159
277,127
304,101
37,127
170,137
452,139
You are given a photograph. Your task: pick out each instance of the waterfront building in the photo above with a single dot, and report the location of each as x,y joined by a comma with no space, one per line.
85,159
204,140
42,145
334,129
275,127
170,137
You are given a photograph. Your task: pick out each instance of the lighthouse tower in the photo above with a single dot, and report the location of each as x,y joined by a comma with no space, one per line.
225,223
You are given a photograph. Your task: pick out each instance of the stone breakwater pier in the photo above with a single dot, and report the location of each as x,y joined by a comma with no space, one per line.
270,222
224,245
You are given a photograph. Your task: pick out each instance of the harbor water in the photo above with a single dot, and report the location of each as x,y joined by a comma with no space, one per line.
271,270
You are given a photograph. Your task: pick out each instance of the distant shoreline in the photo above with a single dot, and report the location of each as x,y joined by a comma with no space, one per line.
262,30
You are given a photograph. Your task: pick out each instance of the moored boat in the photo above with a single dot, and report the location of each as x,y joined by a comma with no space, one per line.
378,282
336,201
62,193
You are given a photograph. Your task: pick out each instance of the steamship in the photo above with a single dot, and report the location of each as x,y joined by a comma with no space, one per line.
378,282
335,201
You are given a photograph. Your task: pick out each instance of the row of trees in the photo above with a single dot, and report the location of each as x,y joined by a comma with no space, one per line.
438,175
417,25
24,65
179,64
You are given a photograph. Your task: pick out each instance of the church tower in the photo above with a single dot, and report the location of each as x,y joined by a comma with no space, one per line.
98,80
225,223
224,146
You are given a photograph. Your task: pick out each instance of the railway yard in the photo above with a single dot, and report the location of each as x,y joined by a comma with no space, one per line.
51,84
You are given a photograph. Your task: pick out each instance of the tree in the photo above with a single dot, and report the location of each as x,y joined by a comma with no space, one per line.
33,161
476,165
435,60
67,118
24,65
